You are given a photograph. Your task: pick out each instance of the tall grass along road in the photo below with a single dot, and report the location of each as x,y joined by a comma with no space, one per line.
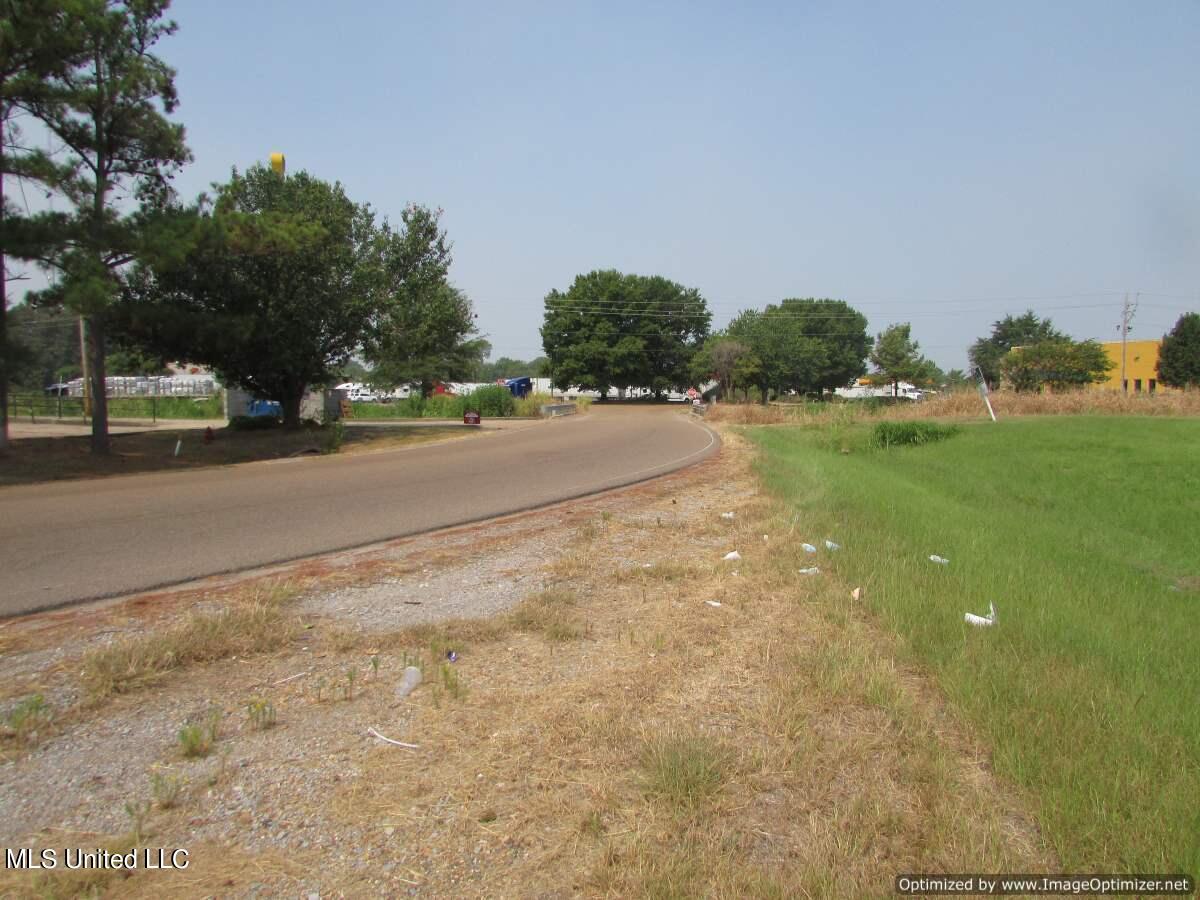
1085,534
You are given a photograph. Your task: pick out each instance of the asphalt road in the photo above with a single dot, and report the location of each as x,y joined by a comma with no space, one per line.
62,543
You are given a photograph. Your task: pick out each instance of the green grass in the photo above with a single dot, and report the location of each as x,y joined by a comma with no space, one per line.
1085,533
683,771
40,407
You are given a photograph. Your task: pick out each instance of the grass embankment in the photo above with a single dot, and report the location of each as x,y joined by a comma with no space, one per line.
1085,533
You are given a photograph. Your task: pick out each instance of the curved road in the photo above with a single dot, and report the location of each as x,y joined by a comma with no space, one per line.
72,541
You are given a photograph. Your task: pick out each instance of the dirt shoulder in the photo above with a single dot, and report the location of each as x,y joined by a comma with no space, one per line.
625,713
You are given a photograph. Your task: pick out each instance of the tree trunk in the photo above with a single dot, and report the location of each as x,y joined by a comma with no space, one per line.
3,346
290,401
3,315
765,395
96,379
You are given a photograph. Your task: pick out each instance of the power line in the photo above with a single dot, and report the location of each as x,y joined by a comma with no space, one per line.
650,312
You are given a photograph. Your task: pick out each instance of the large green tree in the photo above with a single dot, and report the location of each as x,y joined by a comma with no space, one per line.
1179,355
426,336
1058,365
1011,331
44,346
612,329
425,332
722,359
283,280
897,357
274,286
108,111
804,345
40,40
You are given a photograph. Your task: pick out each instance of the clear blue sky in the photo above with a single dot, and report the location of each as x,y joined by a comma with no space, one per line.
928,162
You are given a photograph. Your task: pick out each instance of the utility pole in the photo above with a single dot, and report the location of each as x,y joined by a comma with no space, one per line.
1127,311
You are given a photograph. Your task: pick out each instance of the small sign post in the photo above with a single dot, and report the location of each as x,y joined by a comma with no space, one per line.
983,391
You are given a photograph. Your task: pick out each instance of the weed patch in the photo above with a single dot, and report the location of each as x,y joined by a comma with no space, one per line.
197,738
257,625
901,434
29,718
683,770
548,613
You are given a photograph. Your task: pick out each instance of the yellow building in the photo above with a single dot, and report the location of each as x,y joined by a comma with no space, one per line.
1141,366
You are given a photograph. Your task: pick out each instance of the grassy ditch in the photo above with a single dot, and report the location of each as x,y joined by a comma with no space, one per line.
1083,532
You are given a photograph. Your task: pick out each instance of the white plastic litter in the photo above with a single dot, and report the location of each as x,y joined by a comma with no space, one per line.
408,683
713,603
765,538
811,570
856,594
732,556
940,560
727,515
647,565
981,621
832,546
809,548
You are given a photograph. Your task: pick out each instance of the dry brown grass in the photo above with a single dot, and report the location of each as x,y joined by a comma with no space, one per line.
774,746
256,623
968,405
230,868
549,613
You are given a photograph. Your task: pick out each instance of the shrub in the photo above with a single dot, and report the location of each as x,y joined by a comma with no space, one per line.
531,405
495,401
442,406
28,717
898,434
254,423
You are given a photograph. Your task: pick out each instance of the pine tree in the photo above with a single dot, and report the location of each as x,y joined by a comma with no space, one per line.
109,113
39,42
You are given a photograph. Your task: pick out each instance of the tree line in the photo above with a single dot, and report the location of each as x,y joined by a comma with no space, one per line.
611,329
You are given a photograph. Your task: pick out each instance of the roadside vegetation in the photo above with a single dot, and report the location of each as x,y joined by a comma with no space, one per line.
961,405
253,624
489,402
1083,533
39,407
